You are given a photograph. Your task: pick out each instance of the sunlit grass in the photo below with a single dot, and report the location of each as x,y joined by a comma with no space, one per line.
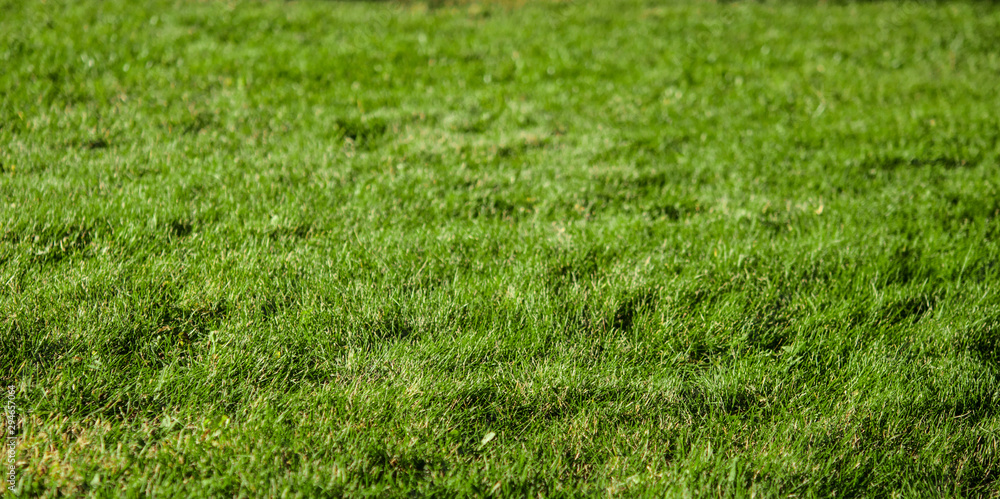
326,248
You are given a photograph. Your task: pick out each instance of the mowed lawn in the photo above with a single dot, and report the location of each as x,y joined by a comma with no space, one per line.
535,248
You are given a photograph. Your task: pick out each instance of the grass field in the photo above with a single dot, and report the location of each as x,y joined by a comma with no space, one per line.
529,249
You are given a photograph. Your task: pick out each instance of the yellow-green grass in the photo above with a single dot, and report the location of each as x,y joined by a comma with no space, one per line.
327,249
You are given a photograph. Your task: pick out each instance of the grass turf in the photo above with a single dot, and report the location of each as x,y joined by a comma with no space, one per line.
322,248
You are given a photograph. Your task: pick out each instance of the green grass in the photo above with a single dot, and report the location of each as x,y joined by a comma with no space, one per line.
324,248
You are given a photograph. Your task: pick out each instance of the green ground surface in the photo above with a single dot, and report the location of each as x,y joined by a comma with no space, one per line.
324,248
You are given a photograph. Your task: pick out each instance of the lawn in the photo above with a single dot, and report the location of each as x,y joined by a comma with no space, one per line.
538,248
